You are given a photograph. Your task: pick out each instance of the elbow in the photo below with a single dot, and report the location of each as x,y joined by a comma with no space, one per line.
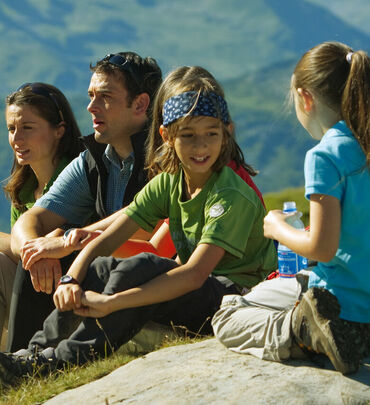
14,249
199,280
14,242
195,280
325,255
323,250
198,283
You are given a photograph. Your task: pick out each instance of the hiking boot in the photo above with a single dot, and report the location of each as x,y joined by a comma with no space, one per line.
316,326
23,353
16,366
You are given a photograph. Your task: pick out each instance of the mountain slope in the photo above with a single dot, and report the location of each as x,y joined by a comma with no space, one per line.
55,41
266,127
355,12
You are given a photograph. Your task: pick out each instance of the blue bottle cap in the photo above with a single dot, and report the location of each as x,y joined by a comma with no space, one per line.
289,206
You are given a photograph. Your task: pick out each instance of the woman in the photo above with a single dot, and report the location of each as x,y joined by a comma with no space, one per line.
44,136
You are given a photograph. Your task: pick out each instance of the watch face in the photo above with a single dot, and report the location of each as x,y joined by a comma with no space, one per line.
65,279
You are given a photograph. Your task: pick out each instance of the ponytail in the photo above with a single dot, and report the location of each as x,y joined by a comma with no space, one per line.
355,106
341,77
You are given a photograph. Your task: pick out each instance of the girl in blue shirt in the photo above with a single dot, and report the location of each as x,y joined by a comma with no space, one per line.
331,91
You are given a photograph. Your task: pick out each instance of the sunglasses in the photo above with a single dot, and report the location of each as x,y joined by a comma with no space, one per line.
124,64
41,90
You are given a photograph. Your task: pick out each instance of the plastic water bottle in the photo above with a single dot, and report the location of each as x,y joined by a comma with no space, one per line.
290,262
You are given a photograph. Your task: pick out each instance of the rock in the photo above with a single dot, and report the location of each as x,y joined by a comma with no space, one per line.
150,337
208,373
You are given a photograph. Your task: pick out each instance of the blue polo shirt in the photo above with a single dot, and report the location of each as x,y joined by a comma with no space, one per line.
337,167
70,195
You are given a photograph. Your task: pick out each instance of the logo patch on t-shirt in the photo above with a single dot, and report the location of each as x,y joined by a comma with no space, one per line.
216,210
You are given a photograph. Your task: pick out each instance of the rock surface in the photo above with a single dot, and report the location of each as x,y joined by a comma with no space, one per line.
207,373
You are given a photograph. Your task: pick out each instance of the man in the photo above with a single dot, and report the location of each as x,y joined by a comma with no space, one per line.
98,183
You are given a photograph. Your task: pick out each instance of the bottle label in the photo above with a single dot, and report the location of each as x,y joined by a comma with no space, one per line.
303,262
288,263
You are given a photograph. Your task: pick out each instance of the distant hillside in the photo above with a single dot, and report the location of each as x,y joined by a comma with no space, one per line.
55,41
251,47
355,12
266,127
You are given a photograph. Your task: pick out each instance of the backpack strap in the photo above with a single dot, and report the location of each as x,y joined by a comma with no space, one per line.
139,176
96,173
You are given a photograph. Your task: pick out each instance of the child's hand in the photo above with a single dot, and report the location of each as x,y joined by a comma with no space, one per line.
79,238
272,222
68,297
95,305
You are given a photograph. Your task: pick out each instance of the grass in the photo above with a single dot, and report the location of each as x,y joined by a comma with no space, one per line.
275,201
36,390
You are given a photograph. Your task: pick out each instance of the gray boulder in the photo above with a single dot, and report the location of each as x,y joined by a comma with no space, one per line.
208,373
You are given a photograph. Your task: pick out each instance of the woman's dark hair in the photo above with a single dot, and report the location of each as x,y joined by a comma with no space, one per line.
50,104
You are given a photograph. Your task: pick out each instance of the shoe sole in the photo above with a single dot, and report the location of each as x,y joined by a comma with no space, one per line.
321,309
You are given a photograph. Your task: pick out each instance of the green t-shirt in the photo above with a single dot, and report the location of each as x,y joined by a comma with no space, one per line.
226,213
26,195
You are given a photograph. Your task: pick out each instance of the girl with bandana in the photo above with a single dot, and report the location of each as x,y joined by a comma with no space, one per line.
331,91
215,221
161,242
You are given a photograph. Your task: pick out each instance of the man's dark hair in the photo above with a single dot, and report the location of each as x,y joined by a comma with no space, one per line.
141,75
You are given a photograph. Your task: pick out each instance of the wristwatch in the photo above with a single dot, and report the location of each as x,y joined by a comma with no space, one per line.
67,232
67,279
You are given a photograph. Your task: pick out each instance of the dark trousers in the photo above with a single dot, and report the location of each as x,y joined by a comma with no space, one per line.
77,339
28,308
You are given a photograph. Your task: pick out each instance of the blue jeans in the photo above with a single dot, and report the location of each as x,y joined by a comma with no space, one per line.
77,340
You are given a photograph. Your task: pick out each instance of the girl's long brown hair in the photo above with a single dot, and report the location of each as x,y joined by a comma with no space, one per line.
341,77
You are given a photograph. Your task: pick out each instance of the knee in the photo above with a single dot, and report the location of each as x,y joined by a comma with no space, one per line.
226,324
238,326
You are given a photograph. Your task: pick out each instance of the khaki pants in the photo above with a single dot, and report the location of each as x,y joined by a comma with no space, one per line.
7,274
258,323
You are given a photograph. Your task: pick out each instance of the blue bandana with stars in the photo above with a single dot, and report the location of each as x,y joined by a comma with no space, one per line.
195,104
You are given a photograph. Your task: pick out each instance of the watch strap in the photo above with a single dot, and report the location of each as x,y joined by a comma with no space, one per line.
67,279
67,232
